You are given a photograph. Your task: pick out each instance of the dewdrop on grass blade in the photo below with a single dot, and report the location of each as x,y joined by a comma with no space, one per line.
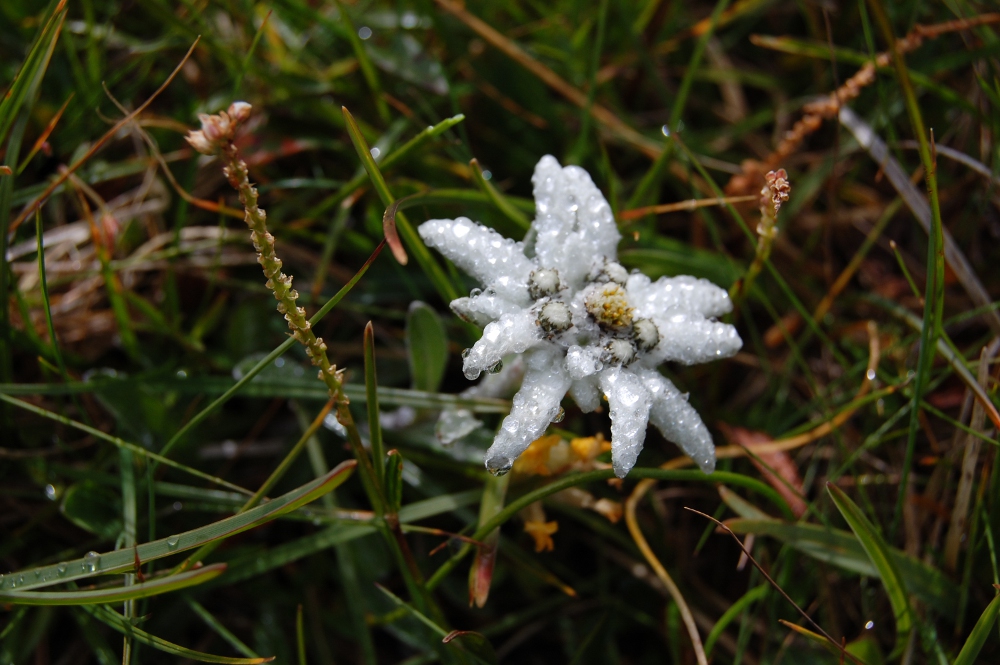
582,323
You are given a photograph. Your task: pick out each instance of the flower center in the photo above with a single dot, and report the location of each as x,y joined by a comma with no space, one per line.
608,304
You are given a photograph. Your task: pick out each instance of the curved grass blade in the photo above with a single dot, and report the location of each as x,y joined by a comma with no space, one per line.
118,622
471,642
433,270
973,645
389,161
842,549
33,68
114,594
750,597
498,199
121,560
878,551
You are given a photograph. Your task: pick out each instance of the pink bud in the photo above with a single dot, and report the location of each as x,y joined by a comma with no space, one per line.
200,143
239,112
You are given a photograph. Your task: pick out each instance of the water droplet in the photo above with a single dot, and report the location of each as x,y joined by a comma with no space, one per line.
91,562
560,415
3,582
465,353
173,541
20,579
365,32
50,492
475,293
487,174
499,466
375,152
178,506
869,625
495,367
38,574
61,569
870,374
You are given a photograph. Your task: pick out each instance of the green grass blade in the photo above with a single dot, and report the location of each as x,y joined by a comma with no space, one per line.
390,160
365,63
114,594
31,71
734,610
47,309
877,550
121,624
840,548
974,644
414,244
121,560
498,199
220,630
371,391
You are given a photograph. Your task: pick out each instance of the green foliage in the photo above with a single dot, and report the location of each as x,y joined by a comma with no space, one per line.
154,412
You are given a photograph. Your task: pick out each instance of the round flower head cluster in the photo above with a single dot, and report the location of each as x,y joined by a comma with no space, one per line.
584,324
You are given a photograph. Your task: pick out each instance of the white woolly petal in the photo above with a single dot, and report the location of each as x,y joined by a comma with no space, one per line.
677,420
629,404
690,339
585,393
535,405
573,221
511,333
583,361
683,292
493,260
483,308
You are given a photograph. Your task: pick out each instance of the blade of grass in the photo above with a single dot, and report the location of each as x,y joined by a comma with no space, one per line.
120,560
730,615
122,625
365,63
114,594
498,199
394,157
300,636
249,56
877,550
220,630
371,391
431,268
977,638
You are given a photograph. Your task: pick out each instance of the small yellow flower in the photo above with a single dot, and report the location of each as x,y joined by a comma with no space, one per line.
542,533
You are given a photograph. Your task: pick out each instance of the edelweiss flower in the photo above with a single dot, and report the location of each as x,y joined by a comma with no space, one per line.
584,324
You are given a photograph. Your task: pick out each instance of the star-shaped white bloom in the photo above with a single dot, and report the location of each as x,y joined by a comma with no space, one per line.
584,324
